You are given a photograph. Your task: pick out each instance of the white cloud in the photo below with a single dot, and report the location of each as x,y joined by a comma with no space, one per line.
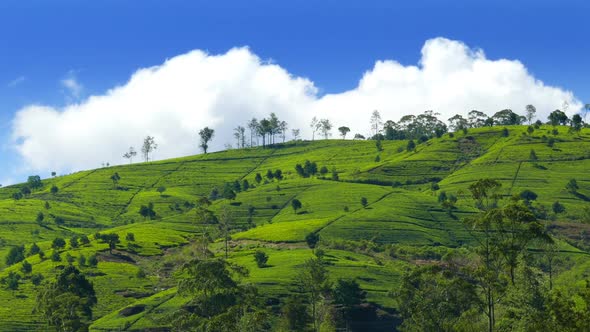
173,100
16,81
73,87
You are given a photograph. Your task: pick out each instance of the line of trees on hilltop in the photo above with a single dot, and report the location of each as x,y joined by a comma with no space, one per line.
272,130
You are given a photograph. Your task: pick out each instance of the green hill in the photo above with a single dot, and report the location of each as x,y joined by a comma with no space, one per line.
402,224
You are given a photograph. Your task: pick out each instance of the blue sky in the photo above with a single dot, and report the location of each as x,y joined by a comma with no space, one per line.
100,44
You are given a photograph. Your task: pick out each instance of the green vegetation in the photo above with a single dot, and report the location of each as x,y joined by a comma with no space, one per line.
311,221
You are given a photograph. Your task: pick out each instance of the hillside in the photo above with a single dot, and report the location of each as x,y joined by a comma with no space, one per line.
402,215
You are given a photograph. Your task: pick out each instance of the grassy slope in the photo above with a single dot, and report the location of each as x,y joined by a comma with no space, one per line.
408,214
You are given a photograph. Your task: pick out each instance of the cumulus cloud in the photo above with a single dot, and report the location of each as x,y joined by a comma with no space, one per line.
175,99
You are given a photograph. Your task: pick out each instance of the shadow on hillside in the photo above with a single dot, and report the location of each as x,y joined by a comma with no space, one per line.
582,197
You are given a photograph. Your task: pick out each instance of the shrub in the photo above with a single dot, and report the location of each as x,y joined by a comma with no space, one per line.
312,240
261,258
58,243
364,202
26,267
92,261
55,256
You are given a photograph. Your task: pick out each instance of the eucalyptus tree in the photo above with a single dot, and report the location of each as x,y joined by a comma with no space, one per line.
530,113
206,134
376,122
253,127
149,145
130,154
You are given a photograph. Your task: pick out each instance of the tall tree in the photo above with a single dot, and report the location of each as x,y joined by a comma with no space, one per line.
239,135
326,127
225,220
376,122
457,122
315,126
476,119
343,131
295,134
206,134
557,117
130,154
313,281
283,126
273,129
264,129
66,303
253,127
530,113
149,145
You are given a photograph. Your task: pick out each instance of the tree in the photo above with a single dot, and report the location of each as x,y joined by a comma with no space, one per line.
557,207
111,239
161,190
295,134
343,131
557,117
533,155
264,129
457,122
530,113
507,118
115,178
206,134
228,192
261,258
147,211
528,195
432,298
296,204
313,281
258,178
294,314
325,128
348,295
74,242
586,110
224,226
364,202
12,281
92,260
245,185
283,126
315,126
253,127
576,123
476,119
67,302
34,182
240,136
217,302
54,189
34,249
411,146
15,255
25,191
58,243
130,154
40,217
55,257
312,240
149,145
376,122
26,267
